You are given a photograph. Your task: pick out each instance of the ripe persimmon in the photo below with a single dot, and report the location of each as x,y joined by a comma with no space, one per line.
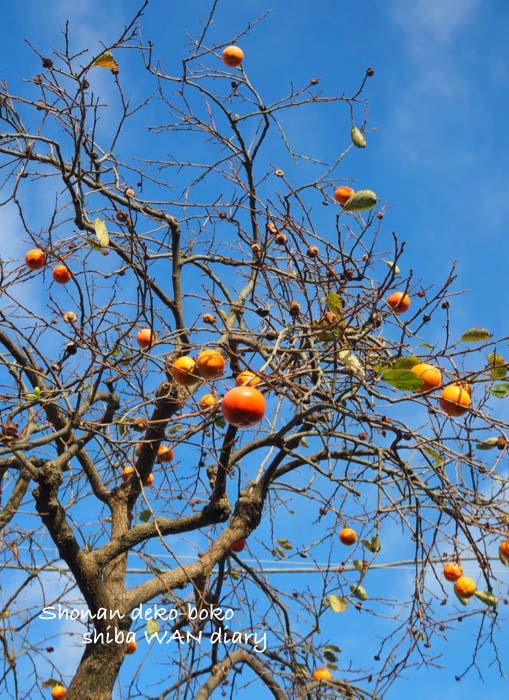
243,406
503,552
238,546
35,259
208,400
465,587
399,302
61,274
58,692
347,536
127,473
210,364
343,194
184,371
431,376
131,647
452,571
148,482
455,400
247,378
232,56
322,674
145,337
164,454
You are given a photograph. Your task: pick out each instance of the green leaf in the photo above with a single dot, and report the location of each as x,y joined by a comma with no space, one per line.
373,545
330,656
50,683
488,444
95,245
437,458
220,422
487,598
476,335
334,303
333,647
402,379
464,600
503,559
360,565
285,544
361,201
152,626
101,232
337,604
145,516
174,429
500,391
359,592
406,362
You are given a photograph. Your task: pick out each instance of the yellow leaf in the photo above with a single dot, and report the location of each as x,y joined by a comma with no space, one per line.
106,60
101,232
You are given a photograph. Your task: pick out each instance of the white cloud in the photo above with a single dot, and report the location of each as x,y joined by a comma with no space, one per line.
427,109
435,21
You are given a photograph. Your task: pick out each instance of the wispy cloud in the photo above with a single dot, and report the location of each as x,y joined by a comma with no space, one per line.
437,22
424,117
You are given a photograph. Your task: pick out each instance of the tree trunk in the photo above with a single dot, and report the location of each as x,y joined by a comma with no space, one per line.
97,672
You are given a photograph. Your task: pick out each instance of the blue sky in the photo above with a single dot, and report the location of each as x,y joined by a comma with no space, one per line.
437,149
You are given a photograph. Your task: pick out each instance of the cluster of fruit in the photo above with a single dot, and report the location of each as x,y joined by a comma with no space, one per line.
464,586
35,259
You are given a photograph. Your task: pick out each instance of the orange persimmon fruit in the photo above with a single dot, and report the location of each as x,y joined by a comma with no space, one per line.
399,302
347,536
35,259
343,194
243,406
322,674
465,587
210,364
247,378
232,56
452,571
431,376
145,337
455,400
61,274
184,371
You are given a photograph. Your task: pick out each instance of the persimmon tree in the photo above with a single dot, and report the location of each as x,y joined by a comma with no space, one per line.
124,488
